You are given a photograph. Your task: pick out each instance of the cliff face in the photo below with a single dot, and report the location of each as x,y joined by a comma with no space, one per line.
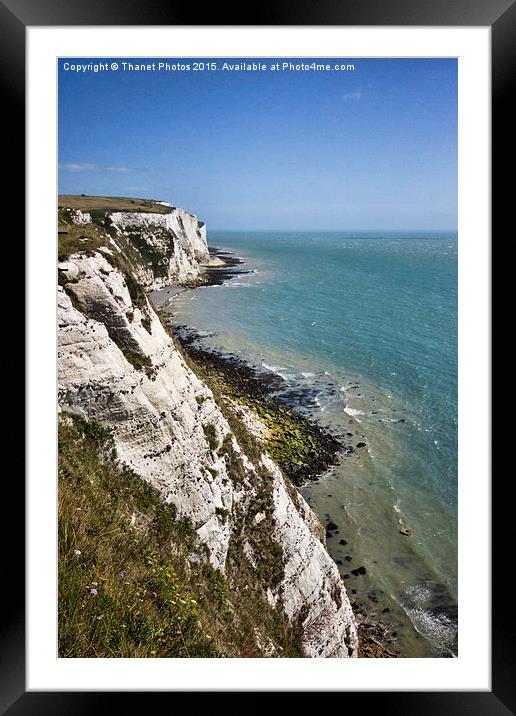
170,245
118,365
161,248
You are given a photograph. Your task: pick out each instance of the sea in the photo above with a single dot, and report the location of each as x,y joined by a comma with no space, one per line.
362,327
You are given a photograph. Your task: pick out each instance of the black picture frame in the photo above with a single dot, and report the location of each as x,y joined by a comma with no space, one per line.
500,16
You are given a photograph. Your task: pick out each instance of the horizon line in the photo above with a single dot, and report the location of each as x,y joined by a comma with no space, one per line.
319,229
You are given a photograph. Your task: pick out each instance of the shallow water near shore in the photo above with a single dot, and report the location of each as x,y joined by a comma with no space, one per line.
362,328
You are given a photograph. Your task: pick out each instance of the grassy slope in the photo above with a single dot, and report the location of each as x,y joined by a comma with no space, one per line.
126,586
111,203
80,237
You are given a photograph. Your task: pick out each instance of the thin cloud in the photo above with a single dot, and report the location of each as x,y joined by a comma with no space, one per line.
71,167
352,96
84,167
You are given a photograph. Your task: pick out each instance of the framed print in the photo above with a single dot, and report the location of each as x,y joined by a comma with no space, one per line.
259,455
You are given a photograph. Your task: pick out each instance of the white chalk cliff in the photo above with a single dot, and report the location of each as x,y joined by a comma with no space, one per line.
118,365
171,245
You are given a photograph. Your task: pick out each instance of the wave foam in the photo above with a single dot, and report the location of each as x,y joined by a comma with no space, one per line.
279,370
436,623
353,412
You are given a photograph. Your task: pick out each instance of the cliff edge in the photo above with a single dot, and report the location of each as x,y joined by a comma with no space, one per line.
118,365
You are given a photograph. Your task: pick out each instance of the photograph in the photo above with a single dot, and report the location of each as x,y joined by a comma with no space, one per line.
257,361
258,326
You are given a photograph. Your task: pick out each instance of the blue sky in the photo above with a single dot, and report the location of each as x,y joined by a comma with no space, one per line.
373,148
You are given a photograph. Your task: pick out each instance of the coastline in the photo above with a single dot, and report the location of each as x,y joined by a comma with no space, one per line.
222,267
304,450
376,491
343,451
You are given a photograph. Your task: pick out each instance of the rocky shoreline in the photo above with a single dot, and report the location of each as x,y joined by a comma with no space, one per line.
229,375
302,448
222,267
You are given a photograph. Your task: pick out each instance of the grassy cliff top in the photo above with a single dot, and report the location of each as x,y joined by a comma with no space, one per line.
111,203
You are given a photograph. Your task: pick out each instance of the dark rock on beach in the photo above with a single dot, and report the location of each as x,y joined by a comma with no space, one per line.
216,276
303,449
358,571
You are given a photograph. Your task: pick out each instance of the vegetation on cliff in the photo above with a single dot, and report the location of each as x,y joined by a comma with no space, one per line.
127,584
112,203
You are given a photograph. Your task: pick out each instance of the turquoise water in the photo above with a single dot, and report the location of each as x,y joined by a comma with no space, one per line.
363,326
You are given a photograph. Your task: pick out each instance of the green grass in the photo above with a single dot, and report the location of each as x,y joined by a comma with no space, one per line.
123,595
111,203
80,237
129,590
